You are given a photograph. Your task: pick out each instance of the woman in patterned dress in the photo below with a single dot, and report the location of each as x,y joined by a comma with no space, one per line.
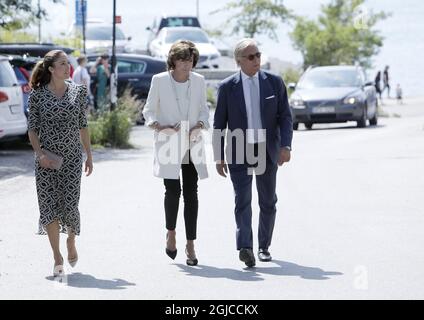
57,123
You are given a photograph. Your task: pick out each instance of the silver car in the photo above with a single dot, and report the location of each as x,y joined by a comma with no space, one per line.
13,122
333,94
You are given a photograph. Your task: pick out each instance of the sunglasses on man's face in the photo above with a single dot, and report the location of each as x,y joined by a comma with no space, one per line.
251,57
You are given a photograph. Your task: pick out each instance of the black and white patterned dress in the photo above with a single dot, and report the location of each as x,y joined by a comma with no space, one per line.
58,122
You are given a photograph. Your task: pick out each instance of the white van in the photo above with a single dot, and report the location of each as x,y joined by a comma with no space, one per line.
13,122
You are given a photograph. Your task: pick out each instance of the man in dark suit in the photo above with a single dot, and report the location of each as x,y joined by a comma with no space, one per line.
252,104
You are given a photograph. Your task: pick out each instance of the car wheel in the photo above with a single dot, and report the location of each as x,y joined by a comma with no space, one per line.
309,125
374,120
295,125
362,123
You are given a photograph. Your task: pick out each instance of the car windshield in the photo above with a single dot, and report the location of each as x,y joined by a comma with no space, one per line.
103,33
330,78
179,22
196,36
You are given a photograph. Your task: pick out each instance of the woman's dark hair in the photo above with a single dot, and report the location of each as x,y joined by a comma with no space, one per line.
41,74
182,50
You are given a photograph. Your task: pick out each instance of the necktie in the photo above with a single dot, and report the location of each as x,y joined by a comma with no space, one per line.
255,107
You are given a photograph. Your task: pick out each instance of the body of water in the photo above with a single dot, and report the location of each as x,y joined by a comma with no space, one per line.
403,31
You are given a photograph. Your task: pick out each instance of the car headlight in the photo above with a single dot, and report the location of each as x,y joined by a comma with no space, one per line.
351,100
297,103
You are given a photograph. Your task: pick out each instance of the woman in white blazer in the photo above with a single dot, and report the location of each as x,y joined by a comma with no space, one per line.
176,109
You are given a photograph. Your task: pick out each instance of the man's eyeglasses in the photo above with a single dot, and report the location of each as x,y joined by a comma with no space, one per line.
251,57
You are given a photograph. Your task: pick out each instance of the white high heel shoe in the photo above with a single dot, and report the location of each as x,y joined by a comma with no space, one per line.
72,262
58,270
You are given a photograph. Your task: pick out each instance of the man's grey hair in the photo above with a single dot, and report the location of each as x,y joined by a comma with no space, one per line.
241,45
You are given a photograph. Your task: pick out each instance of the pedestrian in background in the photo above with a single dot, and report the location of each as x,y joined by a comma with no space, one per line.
399,94
57,129
102,71
377,83
81,75
386,83
176,109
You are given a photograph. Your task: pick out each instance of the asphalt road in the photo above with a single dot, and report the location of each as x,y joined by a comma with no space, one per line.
349,223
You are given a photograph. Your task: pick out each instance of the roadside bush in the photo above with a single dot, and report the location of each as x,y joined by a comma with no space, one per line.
112,128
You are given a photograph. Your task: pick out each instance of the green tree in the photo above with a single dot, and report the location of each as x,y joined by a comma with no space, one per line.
255,17
343,34
18,14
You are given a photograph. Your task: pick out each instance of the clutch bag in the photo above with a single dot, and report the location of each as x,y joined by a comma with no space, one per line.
57,160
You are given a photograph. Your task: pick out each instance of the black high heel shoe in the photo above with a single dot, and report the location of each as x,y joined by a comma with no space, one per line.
191,259
171,253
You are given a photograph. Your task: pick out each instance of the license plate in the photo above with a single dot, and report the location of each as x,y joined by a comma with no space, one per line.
324,110
15,109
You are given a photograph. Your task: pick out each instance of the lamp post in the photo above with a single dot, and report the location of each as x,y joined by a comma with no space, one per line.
39,21
113,76
84,10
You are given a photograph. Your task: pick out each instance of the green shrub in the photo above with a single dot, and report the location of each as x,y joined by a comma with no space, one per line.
116,128
210,96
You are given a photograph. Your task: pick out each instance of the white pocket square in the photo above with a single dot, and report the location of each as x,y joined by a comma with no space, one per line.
270,97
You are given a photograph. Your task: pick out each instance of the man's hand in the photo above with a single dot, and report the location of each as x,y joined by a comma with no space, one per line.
221,168
284,156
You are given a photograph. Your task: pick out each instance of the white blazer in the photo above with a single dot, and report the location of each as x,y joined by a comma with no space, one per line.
161,106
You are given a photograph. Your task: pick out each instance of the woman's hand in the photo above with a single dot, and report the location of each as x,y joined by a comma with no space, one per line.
45,162
88,166
196,131
167,129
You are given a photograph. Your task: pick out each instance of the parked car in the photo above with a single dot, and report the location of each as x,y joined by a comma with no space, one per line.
23,65
98,37
13,122
171,21
37,50
209,54
135,71
333,94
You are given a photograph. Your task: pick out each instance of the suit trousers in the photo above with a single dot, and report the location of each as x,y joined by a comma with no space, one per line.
191,203
265,184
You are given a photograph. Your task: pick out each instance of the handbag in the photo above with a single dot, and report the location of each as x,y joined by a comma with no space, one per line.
56,160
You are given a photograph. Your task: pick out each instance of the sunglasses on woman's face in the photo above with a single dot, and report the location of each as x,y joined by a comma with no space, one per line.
251,57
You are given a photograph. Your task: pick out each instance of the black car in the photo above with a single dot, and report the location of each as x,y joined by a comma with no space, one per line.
36,50
333,94
135,72
31,49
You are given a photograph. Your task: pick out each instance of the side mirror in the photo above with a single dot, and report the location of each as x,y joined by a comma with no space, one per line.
148,29
129,38
369,83
292,85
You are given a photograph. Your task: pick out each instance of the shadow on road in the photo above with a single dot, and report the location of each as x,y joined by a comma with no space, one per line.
378,126
20,162
80,280
276,268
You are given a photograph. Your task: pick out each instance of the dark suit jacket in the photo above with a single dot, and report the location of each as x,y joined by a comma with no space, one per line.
231,113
